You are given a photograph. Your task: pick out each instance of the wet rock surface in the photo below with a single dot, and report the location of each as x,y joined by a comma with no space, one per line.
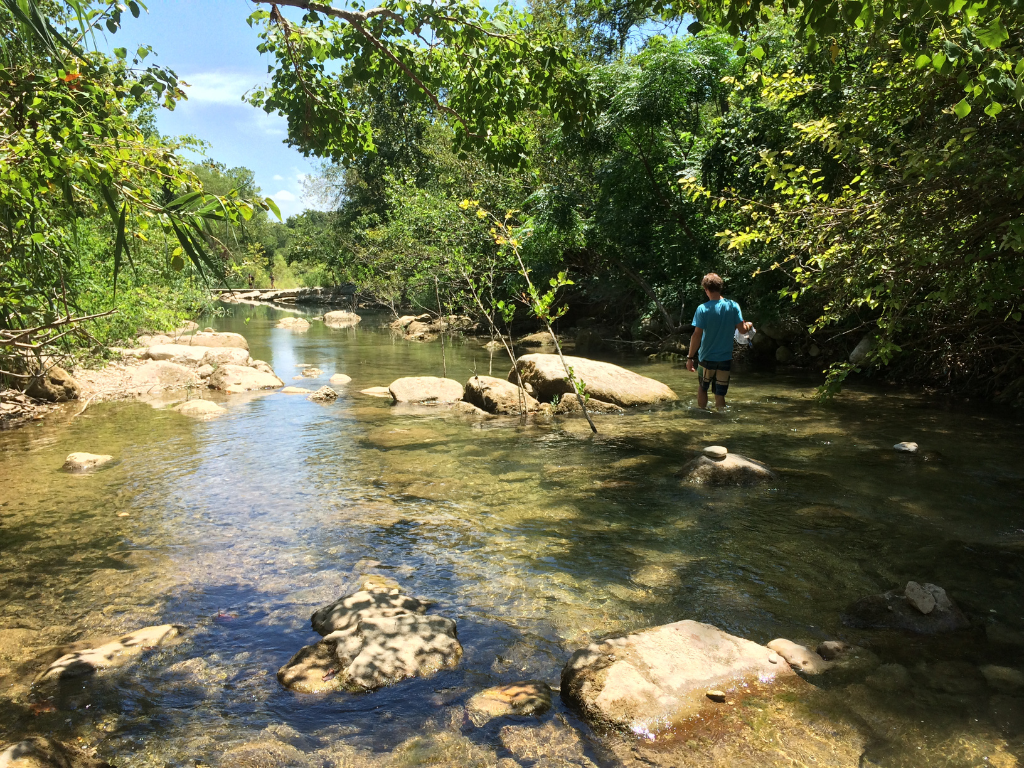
111,653
531,697
498,396
40,752
200,409
323,395
570,403
799,657
425,389
604,381
894,610
732,469
339,379
85,462
647,681
293,323
372,638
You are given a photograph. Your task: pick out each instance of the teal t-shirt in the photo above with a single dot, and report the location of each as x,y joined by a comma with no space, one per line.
718,319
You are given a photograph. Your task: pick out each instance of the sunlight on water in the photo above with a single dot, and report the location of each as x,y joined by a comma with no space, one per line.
536,538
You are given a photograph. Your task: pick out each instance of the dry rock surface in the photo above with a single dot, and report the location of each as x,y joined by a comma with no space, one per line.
340,378
649,681
372,638
799,657
531,697
570,403
237,378
219,339
110,654
159,375
425,389
498,396
716,466
296,391
85,462
41,752
376,392
606,382
427,327
323,395
293,323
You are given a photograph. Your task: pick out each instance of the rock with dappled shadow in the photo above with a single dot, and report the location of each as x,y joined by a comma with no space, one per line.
110,654
498,396
531,697
372,638
425,389
41,752
570,403
604,381
85,462
195,356
717,466
926,610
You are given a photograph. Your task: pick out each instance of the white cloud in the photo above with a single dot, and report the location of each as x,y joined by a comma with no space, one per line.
218,87
278,177
285,195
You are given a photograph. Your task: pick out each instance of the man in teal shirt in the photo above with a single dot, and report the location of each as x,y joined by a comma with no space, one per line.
715,321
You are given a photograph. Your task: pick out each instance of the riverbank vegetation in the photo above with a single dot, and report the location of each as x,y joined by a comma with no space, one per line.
851,168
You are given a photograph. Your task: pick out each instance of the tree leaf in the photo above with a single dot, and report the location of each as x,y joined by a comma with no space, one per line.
994,35
962,109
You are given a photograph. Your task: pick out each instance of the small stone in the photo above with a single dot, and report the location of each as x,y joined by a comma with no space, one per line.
112,653
832,649
204,371
311,372
716,452
919,597
200,409
814,351
123,514
85,462
531,697
773,657
208,330
718,696
905,447
376,392
942,601
800,657
340,378
296,391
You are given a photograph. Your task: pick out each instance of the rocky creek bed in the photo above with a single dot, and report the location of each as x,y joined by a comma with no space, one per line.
479,590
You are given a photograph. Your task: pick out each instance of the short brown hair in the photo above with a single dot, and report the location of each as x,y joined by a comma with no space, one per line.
712,282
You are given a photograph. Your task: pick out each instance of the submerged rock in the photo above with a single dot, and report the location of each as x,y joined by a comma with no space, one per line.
296,391
372,638
531,697
200,409
376,392
893,610
85,462
647,681
425,389
1006,679
498,396
293,323
323,395
40,752
110,654
604,381
800,657
730,469
341,319
310,372
539,339
905,447
340,378
237,378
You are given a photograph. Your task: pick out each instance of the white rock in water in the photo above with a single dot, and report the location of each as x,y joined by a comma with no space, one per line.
323,395
236,378
919,597
716,452
341,319
606,382
222,339
425,389
376,392
942,601
800,657
83,462
295,391
200,409
340,378
905,447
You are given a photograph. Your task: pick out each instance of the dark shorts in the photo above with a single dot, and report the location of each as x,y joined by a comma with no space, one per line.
714,374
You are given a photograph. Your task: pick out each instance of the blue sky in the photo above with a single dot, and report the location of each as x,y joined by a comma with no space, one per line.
209,45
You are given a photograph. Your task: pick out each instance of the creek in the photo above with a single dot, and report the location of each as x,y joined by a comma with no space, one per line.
536,538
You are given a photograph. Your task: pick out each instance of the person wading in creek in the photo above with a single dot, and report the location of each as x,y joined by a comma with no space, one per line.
715,321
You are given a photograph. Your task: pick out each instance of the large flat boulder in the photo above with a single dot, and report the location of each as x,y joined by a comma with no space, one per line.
238,378
220,339
425,389
162,374
42,752
718,466
604,381
187,354
499,396
649,681
341,319
373,638
85,462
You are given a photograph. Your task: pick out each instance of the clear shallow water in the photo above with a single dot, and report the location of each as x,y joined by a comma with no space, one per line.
535,538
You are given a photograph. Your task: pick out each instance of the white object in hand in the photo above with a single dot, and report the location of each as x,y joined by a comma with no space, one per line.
743,339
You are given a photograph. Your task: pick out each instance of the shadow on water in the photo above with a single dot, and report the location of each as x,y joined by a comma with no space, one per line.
535,538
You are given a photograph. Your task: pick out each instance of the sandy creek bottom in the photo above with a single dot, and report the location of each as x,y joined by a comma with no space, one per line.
535,538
